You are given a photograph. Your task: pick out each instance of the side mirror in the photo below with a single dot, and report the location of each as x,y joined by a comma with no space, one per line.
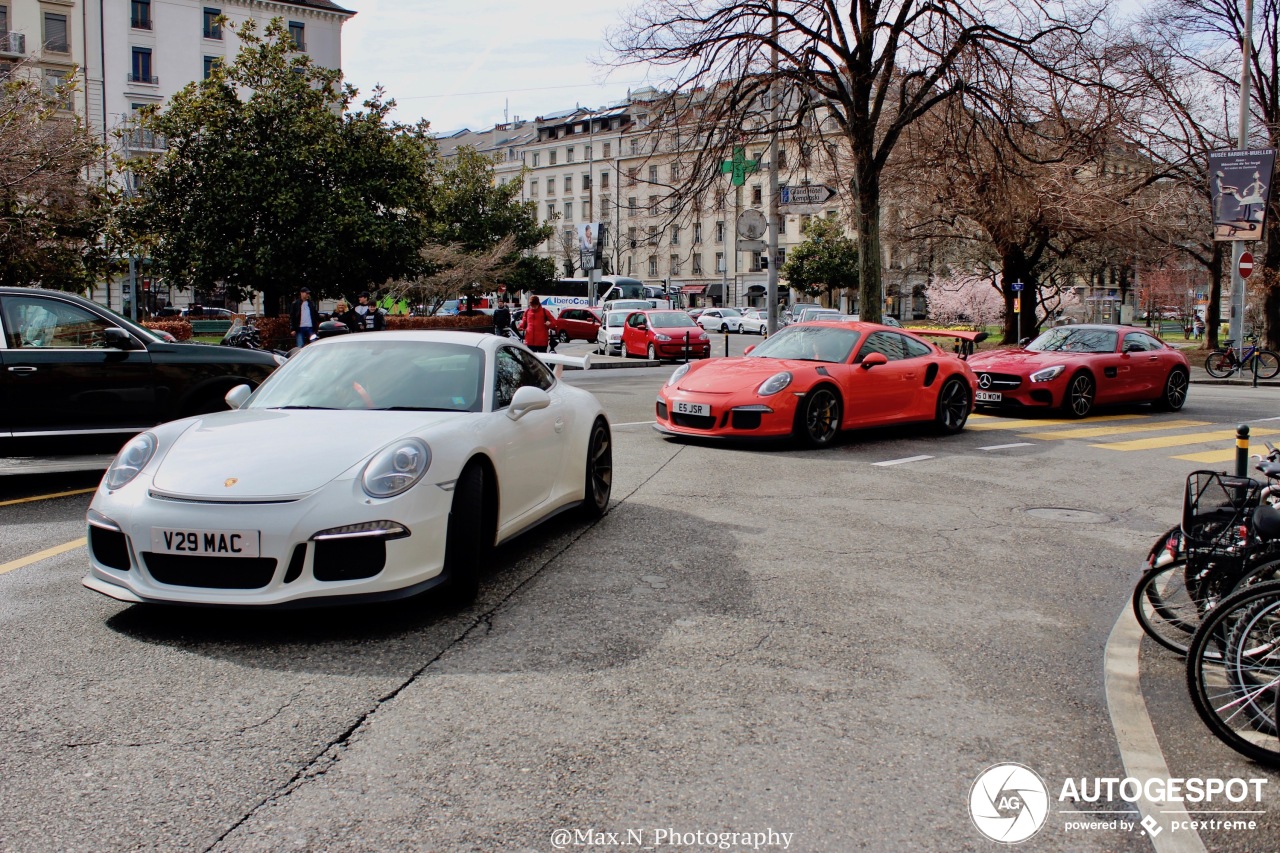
527,399
1134,348
117,338
237,396
873,359
1023,343
748,350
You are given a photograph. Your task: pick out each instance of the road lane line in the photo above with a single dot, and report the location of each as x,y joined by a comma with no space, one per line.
1004,446
901,461
1098,432
1032,423
1179,440
1228,455
42,555
1135,736
48,497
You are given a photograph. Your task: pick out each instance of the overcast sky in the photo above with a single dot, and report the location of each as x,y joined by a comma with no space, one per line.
460,63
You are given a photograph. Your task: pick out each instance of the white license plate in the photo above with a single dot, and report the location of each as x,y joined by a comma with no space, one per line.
693,409
205,543
988,396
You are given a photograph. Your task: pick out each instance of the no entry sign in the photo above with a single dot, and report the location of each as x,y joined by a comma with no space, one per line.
1246,265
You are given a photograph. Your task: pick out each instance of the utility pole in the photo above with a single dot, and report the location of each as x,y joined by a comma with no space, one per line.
1235,329
771,289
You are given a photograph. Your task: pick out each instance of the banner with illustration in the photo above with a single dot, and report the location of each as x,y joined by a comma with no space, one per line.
1240,185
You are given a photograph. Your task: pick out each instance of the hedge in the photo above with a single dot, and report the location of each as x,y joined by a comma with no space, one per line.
180,329
276,335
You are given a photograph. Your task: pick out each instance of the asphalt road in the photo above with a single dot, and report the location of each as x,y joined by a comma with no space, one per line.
830,646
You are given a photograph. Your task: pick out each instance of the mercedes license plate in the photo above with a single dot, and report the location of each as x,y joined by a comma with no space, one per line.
205,543
988,396
693,409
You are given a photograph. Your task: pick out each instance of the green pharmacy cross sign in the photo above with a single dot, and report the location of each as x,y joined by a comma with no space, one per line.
739,166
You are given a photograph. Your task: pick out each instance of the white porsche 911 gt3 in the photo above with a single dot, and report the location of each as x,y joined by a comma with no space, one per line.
368,467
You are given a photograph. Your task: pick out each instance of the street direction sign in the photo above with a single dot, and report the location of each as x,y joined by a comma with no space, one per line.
751,224
1246,264
1016,286
809,194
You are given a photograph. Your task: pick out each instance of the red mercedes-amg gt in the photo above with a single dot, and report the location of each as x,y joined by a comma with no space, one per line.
1075,367
812,380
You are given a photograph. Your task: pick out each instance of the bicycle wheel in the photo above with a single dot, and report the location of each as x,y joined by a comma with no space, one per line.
1219,365
1235,693
1268,363
1165,610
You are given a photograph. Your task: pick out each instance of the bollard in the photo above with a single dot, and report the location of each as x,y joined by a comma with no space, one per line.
726,341
1242,450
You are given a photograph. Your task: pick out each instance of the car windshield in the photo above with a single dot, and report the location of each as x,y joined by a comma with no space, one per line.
670,320
384,375
730,312
809,343
616,318
1068,339
137,328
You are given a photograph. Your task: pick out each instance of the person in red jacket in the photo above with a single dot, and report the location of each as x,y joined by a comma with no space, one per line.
537,326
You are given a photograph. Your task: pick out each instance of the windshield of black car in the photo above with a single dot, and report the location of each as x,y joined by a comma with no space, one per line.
810,343
1067,339
670,320
377,374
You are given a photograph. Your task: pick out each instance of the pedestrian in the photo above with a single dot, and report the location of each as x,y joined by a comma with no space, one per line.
537,326
343,314
501,320
367,318
1199,329
304,318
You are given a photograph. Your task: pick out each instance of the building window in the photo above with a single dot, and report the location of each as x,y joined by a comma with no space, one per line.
608,150
631,237
604,204
210,63
675,173
586,211
697,264
55,85
551,157
782,256
535,159
633,173
782,158
212,26
140,14
675,235
56,37
586,181
653,266
675,265
604,180
533,188
635,146
697,233
568,211
653,174
632,207
568,154
720,197
4,20
720,262
653,205
673,204
298,32
653,235
586,153
757,196
141,69
568,183
551,210
720,232
782,225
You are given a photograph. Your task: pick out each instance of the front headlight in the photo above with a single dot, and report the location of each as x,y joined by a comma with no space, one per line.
702,336
679,372
396,468
774,384
662,337
1048,373
130,461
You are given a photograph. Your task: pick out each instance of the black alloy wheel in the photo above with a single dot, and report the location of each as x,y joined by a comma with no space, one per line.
954,405
818,418
1174,395
1079,401
599,483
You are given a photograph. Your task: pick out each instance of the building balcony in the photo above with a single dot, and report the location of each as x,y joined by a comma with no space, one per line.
13,45
146,79
136,139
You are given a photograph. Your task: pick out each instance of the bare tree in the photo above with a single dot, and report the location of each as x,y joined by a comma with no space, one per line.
455,272
860,73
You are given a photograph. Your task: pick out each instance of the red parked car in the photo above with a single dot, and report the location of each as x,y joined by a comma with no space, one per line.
576,324
663,334
1074,367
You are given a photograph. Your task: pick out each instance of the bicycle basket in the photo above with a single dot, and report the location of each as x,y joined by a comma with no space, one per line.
1215,506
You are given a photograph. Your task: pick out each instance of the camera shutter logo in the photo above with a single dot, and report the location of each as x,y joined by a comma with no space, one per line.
1008,803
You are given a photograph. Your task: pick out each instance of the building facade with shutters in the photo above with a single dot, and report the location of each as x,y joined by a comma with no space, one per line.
47,39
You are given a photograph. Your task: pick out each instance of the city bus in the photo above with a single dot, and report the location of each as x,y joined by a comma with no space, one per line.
576,292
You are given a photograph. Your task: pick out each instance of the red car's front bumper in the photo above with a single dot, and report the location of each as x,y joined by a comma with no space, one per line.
1018,391
730,416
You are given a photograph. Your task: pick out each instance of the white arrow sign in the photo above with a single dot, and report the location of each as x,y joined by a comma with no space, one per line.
810,194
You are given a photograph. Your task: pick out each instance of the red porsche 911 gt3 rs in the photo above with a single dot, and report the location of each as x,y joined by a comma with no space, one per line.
812,380
1075,367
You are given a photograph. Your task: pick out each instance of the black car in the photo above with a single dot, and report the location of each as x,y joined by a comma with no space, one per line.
73,367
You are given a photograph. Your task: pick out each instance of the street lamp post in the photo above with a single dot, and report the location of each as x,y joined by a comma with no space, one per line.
1235,329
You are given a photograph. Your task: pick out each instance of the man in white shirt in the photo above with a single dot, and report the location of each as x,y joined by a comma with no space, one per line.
303,317
370,317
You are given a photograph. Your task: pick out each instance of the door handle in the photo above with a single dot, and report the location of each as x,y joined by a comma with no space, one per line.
559,424
23,369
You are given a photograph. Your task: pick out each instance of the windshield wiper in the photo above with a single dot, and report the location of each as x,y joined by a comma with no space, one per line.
414,409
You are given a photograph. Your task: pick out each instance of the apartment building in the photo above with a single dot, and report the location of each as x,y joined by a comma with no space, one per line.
49,37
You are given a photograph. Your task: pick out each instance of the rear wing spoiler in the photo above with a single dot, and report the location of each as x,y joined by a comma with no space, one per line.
560,362
965,340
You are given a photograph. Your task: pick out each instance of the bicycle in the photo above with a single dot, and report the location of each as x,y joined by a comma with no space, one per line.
1221,363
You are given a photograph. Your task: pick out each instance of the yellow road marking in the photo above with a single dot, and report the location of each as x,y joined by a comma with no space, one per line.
48,497
1098,432
1032,423
42,555
1228,455
1180,440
